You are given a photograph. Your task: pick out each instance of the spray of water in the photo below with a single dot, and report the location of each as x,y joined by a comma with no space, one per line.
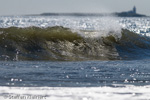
85,26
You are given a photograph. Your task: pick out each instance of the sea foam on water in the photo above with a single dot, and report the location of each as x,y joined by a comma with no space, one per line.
83,93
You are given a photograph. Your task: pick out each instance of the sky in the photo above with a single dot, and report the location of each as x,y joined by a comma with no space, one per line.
22,7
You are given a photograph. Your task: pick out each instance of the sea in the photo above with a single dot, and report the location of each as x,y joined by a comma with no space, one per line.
74,58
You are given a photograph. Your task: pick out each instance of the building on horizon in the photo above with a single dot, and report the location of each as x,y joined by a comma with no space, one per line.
131,13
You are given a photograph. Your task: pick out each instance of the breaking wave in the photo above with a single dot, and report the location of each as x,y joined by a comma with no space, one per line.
63,44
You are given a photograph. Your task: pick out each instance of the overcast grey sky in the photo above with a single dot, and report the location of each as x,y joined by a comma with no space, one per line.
19,7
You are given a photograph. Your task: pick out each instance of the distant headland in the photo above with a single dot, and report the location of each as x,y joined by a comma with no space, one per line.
131,13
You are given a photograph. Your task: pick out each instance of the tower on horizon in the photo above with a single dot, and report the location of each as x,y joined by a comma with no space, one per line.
134,10
130,13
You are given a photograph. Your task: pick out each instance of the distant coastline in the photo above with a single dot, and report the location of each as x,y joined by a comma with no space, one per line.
131,13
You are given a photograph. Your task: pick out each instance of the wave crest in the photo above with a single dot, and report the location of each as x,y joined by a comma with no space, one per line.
59,43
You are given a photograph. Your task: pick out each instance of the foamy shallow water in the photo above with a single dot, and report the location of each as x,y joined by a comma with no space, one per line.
90,80
84,93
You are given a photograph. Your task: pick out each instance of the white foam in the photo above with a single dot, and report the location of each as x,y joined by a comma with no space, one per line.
80,93
105,26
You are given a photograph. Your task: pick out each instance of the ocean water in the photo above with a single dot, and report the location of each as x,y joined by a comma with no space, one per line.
74,58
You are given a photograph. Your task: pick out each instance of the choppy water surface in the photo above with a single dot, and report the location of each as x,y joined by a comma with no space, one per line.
139,25
74,58
74,74
88,80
